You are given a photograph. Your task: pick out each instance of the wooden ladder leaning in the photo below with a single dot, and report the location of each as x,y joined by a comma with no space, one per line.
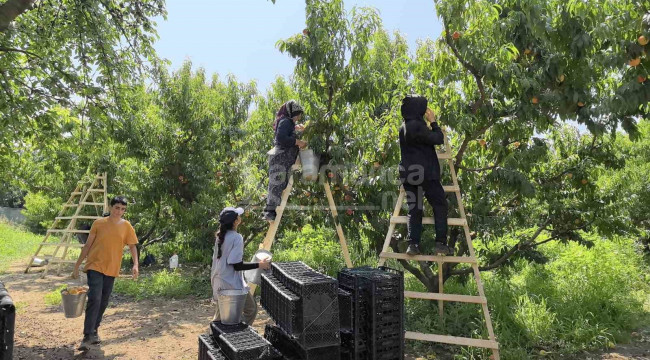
491,343
273,227
90,191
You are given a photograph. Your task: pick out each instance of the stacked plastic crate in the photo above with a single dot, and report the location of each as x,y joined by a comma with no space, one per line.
7,324
304,305
234,342
375,306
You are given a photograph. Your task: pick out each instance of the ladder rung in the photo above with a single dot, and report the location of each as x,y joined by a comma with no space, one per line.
63,245
435,258
444,155
445,297
95,190
78,217
427,220
91,203
76,193
454,340
451,188
69,231
53,261
70,205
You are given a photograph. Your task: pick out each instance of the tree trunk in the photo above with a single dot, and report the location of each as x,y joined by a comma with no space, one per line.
11,10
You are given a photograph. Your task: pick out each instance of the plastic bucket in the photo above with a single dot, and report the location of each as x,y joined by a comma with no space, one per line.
310,164
254,276
73,305
231,306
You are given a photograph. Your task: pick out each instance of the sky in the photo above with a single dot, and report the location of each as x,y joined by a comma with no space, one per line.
239,36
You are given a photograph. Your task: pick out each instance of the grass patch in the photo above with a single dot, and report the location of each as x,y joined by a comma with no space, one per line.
15,244
53,298
166,284
582,299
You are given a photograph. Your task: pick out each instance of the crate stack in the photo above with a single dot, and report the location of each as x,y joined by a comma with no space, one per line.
7,324
373,301
304,305
235,342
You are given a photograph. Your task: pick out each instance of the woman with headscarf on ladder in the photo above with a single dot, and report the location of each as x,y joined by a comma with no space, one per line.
283,155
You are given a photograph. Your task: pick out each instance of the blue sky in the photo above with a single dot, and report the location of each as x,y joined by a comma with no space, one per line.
239,36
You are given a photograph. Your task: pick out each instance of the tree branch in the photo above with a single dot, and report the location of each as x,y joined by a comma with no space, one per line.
10,10
466,65
513,250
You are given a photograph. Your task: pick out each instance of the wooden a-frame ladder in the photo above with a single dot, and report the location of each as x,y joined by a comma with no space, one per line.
491,343
88,192
274,225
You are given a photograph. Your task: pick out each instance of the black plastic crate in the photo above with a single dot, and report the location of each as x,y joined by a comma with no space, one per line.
346,307
245,345
292,350
377,313
208,349
281,304
7,324
218,328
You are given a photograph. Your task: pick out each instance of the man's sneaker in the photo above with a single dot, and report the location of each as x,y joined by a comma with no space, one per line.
443,249
85,343
268,216
94,338
413,249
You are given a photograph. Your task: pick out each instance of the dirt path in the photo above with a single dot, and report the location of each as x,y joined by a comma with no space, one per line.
151,329
148,329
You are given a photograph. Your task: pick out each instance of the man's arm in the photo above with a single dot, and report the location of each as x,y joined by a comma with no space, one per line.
134,256
416,131
84,253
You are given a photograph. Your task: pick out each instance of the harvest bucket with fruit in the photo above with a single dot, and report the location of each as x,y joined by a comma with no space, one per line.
74,299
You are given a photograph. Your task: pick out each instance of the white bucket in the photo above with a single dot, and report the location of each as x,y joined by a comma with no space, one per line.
254,276
310,164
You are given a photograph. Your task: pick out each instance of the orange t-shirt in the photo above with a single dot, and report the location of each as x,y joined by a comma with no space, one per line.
105,255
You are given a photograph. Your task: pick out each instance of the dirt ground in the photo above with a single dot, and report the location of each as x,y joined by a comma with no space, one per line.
149,329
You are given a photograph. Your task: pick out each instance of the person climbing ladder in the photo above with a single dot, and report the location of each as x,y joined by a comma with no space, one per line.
419,172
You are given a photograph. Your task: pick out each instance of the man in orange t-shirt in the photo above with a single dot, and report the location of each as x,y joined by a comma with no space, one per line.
103,250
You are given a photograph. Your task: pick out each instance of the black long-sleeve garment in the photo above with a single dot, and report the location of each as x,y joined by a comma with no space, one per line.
242,266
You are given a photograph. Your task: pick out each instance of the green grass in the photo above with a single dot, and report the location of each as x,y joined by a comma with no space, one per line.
53,298
582,299
16,244
166,284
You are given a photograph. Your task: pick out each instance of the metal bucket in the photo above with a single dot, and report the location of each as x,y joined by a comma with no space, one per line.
231,306
254,276
73,305
310,164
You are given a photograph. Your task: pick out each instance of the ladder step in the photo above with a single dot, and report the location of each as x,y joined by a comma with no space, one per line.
454,340
428,220
73,245
54,261
451,188
91,203
78,217
445,297
76,193
435,258
95,190
444,155
69,231
70,205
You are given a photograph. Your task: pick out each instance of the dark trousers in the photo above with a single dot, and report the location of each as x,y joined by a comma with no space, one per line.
99,292
435,194
279,173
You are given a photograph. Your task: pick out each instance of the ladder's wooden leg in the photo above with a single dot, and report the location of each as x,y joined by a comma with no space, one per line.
391,227
440,290
339,229
273,228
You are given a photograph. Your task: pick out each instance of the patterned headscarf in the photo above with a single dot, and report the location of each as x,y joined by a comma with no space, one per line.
289,109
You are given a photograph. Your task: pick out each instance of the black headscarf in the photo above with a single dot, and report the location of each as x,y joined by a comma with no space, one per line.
289,109
414,107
